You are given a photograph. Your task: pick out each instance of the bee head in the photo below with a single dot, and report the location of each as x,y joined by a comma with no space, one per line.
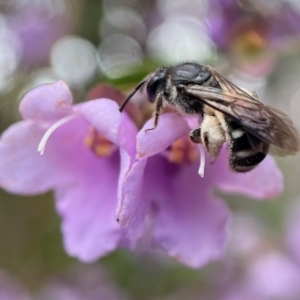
156,84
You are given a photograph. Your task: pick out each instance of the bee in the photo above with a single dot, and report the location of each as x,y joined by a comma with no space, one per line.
229,114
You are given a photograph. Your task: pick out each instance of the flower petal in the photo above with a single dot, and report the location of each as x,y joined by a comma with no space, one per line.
132,207
263,182
189,224
105,116
22,169
292,226
48,102
274,275
87,208
171,127
110,92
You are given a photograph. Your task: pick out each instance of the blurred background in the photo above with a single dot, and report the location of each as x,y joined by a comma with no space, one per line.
254,43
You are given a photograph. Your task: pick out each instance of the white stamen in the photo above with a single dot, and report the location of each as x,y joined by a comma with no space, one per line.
43,142
202,155
202,161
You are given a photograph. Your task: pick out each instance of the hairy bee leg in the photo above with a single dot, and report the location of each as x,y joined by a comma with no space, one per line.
158,108
213,136
195,135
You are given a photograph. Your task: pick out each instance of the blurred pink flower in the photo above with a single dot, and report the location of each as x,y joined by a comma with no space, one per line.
254,32
262,271
274,275
257,23
164,195
292,220
81,163
82,282
10,288
38,29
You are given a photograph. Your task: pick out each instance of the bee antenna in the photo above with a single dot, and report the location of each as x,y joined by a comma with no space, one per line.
122,106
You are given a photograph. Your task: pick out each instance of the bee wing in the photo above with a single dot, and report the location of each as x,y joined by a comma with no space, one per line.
266,123
293,136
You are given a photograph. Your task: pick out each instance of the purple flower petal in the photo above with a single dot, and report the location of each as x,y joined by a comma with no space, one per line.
30,22
188,223
263,182
48,102
87,208
88,204
105,116
22,169
193,234
171,127
274,276
133,206
292,220
11,289
85,183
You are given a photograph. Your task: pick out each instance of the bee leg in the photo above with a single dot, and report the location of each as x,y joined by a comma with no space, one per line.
212,136
195,135
158,108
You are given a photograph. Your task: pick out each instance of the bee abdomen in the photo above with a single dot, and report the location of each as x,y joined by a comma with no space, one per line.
244,155
250,160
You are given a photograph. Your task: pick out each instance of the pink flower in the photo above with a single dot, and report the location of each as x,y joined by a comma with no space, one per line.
271,275
257,267
292,220
152,186
88,282
81,163
38,28
163,193
10,288
233,22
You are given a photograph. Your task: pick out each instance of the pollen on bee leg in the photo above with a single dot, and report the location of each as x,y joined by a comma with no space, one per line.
99,144
46,136
202,160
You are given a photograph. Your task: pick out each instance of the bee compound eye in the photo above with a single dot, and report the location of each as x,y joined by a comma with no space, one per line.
153,88
180,87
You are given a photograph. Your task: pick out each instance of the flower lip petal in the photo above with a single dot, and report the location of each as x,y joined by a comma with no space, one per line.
22,169
48,102
104,116
87,209
188,222
131,209
171,127
263,182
